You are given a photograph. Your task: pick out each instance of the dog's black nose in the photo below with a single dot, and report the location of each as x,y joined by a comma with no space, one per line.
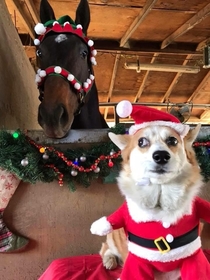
161,157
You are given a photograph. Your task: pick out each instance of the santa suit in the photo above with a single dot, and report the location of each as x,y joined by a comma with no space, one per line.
142,260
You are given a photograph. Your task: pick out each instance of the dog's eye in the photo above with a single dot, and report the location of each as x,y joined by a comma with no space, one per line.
143,142
171,141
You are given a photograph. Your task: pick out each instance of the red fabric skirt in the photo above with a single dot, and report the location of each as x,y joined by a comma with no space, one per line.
88,267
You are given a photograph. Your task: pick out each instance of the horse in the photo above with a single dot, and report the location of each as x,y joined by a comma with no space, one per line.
65,79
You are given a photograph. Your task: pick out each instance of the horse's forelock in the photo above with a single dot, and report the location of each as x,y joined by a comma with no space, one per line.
60,38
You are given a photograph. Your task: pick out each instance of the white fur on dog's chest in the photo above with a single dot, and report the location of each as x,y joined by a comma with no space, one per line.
147,215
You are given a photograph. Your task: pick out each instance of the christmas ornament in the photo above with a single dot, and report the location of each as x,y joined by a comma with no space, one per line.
24,162
8,241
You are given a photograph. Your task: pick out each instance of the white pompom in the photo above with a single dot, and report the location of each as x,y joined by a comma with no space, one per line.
42,73
124,108
93,60
70,77
77,85
79,26
36,42
55,22
66,23
40,29
94,52
37,79
92,77
86,85
39,70
90,43
88,81
57,69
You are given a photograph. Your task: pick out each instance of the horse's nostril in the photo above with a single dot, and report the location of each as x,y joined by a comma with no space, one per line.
63,119
161,157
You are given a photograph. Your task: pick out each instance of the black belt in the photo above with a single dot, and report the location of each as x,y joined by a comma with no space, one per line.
161,244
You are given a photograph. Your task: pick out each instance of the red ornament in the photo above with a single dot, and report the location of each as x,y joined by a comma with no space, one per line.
110,163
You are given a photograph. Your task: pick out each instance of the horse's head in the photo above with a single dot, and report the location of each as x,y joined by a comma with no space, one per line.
65,76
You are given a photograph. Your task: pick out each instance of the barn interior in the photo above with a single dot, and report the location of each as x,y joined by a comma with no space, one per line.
151,52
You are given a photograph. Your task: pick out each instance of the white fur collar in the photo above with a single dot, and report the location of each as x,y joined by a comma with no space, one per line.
176,201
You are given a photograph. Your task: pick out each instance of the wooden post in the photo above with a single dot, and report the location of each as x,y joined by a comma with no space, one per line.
19,95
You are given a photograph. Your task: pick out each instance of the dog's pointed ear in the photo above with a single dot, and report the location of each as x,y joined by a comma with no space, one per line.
120,140
192,134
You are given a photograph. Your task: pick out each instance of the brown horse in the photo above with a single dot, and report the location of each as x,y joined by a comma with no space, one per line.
68,93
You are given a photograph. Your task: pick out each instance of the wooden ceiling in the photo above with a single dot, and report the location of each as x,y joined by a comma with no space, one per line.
145,33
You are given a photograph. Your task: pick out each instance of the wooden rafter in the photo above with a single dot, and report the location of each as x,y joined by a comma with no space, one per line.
141,16
142,86
32,10
175,81
19,6
203,44
200,87
205,114
111,86
197,18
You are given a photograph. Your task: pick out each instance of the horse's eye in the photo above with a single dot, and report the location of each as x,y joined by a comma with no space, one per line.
84,54
143,142
171,141
38,53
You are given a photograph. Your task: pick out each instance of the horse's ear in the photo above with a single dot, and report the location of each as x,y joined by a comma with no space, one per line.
83,15
46,11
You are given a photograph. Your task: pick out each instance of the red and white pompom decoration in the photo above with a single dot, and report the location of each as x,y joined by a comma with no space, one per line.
79,26
124,108
70,77
57,69
37,79
36,42
40,29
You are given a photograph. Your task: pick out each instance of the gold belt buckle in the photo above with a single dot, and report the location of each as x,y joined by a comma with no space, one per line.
165,243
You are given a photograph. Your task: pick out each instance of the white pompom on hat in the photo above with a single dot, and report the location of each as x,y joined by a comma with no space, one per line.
146,116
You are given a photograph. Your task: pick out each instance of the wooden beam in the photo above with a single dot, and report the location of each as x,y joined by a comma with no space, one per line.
19,6
32,10
203,44
141,16
200,87
111,86
205,114
175,81
197,18
138,47
142,86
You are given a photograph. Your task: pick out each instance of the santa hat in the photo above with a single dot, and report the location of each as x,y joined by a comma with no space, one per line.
145,116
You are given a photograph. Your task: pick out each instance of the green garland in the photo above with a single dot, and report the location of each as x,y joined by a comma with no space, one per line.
17,148
37,168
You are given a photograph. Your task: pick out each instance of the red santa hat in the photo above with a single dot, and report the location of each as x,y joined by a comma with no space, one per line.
145,116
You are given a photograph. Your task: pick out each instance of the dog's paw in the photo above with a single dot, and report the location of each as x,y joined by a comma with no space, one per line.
101,227
109,260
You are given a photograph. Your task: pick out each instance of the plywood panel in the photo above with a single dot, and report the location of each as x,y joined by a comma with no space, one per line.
57,222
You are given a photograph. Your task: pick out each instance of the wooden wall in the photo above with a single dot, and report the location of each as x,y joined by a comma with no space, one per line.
18,93
57,222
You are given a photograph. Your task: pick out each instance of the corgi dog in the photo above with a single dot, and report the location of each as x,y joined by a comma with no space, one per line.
155,233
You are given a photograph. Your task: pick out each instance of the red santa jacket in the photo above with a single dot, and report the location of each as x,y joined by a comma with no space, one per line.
157,229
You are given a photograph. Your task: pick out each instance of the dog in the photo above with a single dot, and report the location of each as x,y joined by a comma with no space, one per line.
160,180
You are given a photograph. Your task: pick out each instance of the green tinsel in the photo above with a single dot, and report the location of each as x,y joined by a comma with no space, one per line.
14,150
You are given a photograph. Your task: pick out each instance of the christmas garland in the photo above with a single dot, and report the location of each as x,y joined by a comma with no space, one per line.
33,162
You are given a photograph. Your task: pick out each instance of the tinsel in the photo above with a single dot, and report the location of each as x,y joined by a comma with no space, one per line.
23,157
16,150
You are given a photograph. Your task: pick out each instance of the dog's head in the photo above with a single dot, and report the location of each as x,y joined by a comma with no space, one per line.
157,156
